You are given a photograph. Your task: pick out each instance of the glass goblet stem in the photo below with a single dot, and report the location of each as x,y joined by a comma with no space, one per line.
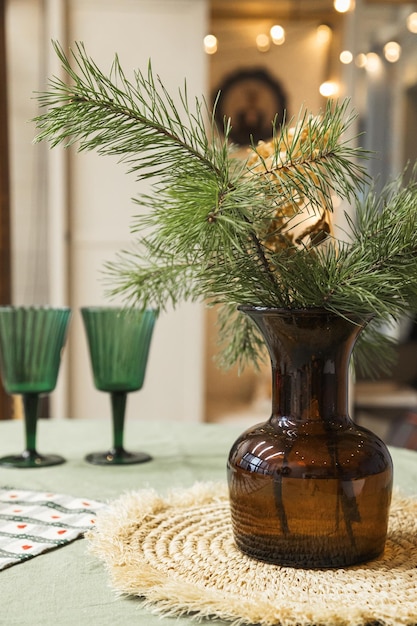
30,406
117,455
118,403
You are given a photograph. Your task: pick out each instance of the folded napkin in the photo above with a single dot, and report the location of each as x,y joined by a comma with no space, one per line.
33,522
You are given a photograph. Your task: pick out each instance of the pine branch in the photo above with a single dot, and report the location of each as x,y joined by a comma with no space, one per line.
137,122
223,230
374,353
309,159
243,344
148,283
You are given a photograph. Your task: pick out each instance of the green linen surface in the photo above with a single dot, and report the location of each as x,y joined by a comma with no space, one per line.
69,586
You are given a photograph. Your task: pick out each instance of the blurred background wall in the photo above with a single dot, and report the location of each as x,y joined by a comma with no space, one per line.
71,212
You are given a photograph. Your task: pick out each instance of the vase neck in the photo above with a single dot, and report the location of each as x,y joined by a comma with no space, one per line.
310,352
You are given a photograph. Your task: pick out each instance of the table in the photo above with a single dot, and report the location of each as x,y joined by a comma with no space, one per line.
68,586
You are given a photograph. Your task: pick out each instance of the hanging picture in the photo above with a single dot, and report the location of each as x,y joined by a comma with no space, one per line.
252,98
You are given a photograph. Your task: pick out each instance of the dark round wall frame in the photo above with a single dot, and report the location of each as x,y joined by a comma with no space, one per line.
252,98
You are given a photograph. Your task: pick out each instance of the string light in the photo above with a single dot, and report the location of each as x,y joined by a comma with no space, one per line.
329,88
373,62
346,57
277,34
360,60
263,43
323,34
343,6
412,22
210,44
392,51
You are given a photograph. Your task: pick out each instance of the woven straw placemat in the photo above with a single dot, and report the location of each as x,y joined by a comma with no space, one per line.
177,553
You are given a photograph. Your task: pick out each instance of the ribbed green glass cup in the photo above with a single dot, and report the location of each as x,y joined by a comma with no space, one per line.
119,340
31,343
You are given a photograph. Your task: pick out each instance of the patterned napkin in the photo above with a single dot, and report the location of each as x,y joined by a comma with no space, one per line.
33,522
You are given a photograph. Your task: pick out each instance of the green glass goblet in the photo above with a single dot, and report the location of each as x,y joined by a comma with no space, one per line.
118,340
31,343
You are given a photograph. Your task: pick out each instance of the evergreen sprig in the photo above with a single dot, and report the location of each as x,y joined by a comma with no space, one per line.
226,230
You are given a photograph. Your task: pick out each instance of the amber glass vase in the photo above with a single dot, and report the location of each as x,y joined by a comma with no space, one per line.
309,488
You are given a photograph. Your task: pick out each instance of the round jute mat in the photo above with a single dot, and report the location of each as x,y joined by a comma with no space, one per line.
177,553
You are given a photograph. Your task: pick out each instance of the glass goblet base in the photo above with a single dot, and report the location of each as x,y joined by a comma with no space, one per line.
117,457
30,459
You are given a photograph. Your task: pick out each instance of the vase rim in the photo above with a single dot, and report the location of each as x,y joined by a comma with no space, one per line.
307,311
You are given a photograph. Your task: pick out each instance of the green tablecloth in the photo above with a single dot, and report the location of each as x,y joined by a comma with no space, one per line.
68,587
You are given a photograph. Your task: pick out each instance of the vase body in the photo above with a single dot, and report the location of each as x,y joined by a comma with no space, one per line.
309,488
